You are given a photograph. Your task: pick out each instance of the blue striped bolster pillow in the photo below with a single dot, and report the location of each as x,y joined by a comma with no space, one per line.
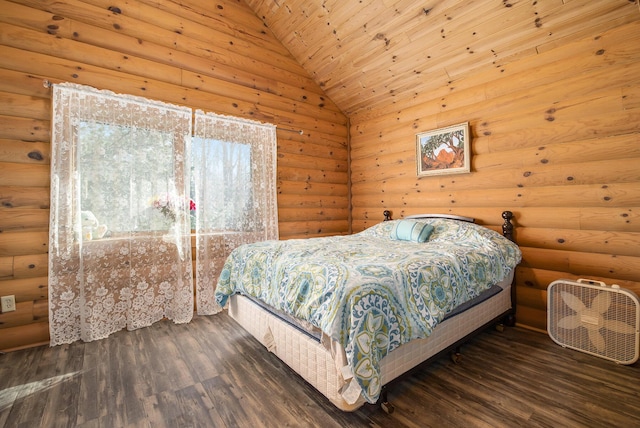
411,230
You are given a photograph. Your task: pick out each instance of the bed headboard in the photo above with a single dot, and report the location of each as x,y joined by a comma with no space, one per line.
507,226
387,216
449,216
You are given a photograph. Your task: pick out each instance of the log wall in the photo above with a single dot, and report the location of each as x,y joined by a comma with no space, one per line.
215,56
555,138
555,134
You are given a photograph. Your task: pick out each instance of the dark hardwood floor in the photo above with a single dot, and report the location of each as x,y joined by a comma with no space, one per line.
211,373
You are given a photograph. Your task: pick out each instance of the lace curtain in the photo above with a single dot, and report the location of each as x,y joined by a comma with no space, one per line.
119,244
234,164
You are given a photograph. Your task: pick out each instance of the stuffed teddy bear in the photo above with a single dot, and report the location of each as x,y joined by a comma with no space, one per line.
91,227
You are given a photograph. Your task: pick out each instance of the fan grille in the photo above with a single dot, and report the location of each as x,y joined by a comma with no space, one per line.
595,319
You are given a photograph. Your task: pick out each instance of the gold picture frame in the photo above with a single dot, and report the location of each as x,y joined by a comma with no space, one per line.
443,151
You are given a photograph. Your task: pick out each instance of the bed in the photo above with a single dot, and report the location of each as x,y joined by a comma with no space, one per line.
351,314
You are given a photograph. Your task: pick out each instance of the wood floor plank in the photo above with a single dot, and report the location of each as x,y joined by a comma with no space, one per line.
199,365
211,373
122,384
151,362
228,403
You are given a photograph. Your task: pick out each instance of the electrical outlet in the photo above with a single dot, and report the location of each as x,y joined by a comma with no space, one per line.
8,303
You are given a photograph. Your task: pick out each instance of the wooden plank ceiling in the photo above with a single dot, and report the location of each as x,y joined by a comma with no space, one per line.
371,54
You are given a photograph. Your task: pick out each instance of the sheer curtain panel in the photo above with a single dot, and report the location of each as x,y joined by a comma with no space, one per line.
234,162
119,244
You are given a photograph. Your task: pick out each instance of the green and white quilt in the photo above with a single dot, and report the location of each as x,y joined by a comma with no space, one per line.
374,290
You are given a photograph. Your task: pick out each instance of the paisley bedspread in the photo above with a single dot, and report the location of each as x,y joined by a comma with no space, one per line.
369,291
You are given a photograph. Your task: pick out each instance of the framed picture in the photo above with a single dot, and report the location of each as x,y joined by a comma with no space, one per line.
443,151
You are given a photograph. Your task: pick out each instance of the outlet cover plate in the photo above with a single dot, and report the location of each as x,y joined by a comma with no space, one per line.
8,303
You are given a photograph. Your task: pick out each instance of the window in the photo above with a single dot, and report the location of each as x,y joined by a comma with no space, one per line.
127,176
128,161
234,163
110,155
226,169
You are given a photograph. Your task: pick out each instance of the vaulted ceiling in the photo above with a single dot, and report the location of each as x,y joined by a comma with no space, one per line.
368,54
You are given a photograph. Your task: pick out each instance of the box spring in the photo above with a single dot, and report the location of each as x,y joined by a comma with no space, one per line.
320,362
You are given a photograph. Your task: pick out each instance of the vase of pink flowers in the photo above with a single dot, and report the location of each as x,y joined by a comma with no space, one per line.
170,207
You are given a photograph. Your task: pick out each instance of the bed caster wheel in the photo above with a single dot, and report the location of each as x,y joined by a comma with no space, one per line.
387,407
500,327
456,357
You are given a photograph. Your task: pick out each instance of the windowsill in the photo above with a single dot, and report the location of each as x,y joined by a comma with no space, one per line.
160,234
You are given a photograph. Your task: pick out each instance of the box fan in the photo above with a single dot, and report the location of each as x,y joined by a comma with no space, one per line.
591,317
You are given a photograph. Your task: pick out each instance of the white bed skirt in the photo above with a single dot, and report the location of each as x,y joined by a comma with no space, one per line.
321,364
